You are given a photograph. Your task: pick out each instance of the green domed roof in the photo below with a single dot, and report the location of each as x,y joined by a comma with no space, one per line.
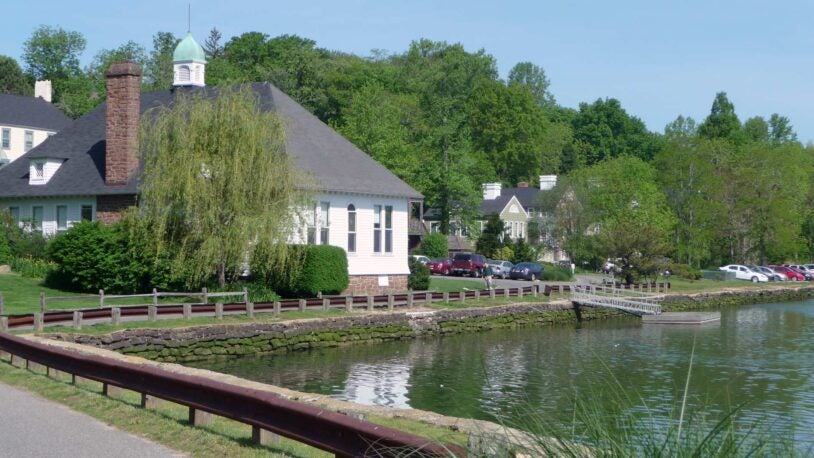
188,49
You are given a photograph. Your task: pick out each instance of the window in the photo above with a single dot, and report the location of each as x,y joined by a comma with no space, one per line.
351,228
377,228
15,214
183,73
324,222
39,170
87,213
62,218
312,227
6,138
29,139
36,218
388,229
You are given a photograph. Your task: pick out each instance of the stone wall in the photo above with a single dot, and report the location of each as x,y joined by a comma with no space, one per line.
369,284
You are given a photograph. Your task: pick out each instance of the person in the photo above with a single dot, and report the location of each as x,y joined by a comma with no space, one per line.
488,274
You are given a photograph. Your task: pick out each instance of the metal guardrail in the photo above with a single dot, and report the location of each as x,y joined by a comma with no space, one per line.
327,430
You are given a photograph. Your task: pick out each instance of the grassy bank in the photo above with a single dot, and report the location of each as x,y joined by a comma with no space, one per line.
168,425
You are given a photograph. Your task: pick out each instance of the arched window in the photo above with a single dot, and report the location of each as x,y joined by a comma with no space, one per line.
183,73
351,228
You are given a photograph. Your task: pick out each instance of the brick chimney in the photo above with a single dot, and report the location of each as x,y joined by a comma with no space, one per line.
523,184
123,92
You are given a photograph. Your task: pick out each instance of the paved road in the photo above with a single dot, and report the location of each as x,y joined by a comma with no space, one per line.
31,426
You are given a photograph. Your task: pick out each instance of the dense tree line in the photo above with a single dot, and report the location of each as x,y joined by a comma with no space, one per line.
441,118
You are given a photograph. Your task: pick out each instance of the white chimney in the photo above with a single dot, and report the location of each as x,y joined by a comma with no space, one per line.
547,182
42,89
491,191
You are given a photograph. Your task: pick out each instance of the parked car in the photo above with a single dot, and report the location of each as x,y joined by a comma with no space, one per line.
527,271
501,268
421,258
745,273
773,276
440,266
791,274
807,275
468,264
801,268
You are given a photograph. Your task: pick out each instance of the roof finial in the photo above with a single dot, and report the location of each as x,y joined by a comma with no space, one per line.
189,17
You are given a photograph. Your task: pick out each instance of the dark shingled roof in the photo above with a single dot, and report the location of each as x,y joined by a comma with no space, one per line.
526,196
334,162
22,111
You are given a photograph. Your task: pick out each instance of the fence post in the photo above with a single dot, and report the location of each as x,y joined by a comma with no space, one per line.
301,303
101,298
250,309
155,296
276,308
477,295
409,299
245,295
219,310
446,297
77,319
187,311
535,289
115,316
38,322
199,417
152,312
348,303
506,292
369,302
326,303
42,302
3,323
492,293
205,295
520,292
391,302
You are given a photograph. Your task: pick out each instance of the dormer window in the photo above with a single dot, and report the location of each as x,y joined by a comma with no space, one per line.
41,170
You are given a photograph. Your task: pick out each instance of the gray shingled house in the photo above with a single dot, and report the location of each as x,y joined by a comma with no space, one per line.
90,170
25,122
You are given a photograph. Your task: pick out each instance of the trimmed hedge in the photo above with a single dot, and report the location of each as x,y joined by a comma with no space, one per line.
324,269
419,279
435,245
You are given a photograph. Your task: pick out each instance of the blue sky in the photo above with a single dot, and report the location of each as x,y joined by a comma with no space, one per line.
660,59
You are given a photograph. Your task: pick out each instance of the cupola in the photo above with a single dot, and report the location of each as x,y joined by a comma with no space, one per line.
189,63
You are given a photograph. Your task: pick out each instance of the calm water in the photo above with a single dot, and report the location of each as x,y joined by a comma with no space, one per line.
760,356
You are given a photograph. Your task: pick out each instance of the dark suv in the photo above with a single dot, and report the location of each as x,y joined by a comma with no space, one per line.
468,264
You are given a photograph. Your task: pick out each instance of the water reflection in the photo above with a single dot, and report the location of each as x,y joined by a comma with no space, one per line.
759,357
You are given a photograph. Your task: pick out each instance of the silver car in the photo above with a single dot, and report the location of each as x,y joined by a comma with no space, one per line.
500,269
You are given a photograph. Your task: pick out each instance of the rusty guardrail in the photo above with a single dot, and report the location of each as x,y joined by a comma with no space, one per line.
327,430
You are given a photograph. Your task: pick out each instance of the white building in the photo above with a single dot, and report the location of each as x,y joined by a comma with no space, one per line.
25,122
90,170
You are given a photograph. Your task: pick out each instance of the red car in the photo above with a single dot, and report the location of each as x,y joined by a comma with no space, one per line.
440,266
791,274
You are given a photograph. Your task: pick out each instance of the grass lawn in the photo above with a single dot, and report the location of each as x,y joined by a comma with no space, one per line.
448,284
167,424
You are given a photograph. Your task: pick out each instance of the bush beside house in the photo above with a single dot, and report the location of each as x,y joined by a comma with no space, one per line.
324,270
419,279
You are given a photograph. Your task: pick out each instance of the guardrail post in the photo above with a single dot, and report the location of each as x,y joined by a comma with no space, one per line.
261,436
77,319
205,295
199,417
477,295
409,299
3,323
276,308
155,296
110,390
534,289
187,311
562,290
506,292
326,303
250,309
2,301
520,292
369,302
101,298
462,296
115,316
428,298
391,302
446,297
149,401
152,312
348,303
38,322
302,305
42,302
219,310
492,293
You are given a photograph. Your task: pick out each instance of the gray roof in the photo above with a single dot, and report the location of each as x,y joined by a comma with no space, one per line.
23,111
334,163
526,196
496,205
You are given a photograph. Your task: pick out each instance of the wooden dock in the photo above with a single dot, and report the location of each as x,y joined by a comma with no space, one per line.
682,318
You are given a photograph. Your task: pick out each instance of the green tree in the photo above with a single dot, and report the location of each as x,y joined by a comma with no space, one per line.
780,130
756,129
522,252
12,79
722,121
435,245
639,247
534,78
607,131
158,72
212,46
492,237
218,187
52,53
97,69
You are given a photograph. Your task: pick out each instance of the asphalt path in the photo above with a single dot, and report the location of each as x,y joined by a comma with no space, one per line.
31,426
478,283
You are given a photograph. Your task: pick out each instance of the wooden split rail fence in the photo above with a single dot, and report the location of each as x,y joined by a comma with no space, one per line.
115,313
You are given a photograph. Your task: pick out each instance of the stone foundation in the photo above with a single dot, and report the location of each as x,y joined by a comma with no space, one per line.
369,284
109,209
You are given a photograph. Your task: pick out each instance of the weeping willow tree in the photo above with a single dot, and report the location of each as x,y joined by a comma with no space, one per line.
218,189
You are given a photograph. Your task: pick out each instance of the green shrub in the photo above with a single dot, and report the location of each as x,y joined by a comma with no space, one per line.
684,271
88,258
419,279
5,250
20,243
32,267
504,254
523,252
435,245
552,272
324,270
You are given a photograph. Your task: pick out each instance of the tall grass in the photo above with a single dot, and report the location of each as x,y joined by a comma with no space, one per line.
32,267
